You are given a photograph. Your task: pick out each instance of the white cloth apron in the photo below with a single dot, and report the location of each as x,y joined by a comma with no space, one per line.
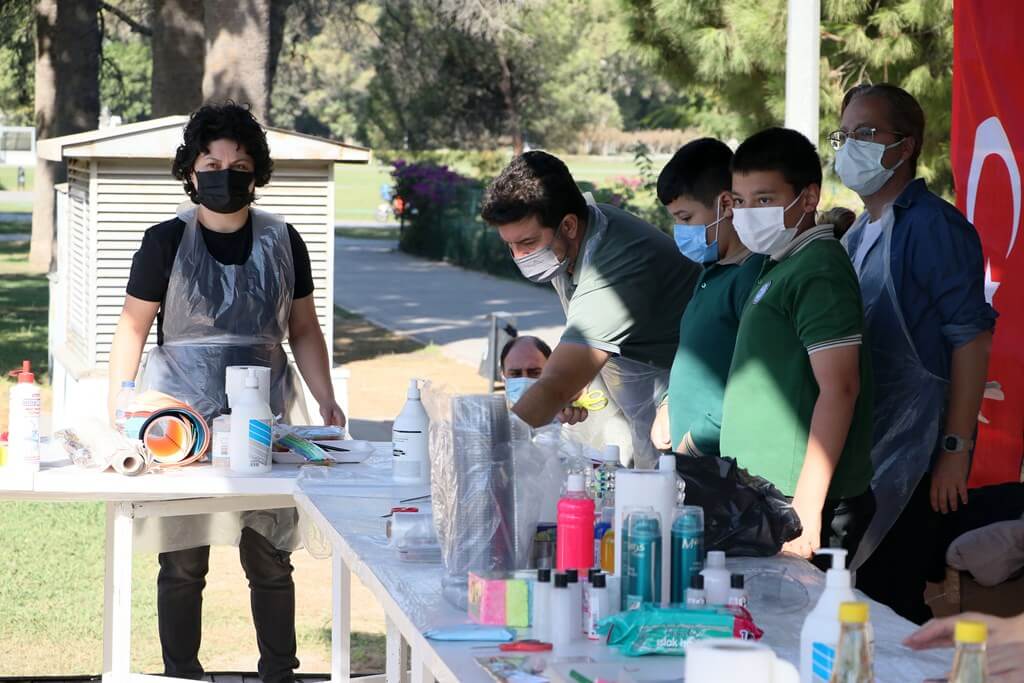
214,316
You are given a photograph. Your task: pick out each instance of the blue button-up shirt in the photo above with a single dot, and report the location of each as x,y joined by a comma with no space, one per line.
938,273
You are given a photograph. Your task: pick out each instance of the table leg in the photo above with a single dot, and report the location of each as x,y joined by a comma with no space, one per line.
341,620
397,657
421,673
117,593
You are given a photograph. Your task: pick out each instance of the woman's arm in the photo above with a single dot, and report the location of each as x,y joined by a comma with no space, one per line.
310,352
132,329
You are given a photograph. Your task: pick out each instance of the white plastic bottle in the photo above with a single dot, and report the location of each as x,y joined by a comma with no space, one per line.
717,578
598,605
565,624
125,397
23,423
251,424
220,451
409,439
820,633
576,594
540,617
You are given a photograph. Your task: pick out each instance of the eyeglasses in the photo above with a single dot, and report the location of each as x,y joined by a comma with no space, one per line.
838,138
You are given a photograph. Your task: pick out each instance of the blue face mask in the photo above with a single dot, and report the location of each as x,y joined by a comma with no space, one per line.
692,241
515,387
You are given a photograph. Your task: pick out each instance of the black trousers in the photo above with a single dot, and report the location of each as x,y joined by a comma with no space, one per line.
897,572
843,523
180,586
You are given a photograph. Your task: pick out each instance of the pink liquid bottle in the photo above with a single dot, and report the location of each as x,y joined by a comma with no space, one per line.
575,536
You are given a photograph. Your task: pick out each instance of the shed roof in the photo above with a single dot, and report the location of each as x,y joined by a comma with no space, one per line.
159,138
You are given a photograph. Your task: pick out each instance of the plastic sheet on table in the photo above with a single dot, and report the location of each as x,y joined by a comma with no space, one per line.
491,483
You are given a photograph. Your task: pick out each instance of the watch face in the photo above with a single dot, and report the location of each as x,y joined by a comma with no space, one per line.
949,443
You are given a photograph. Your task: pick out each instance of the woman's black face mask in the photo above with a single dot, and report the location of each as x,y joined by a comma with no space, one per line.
225,191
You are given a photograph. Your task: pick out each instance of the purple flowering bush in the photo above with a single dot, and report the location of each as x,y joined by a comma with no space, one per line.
426,187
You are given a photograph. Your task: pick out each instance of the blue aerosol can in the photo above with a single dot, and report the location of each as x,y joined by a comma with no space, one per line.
642,580
687,549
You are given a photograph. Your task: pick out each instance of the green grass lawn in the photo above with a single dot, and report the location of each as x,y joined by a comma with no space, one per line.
9,177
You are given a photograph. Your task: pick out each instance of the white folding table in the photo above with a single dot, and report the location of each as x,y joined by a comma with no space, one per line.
412,600
190,490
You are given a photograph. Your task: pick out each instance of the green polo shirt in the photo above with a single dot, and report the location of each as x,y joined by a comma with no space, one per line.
806,302
628,295
707,335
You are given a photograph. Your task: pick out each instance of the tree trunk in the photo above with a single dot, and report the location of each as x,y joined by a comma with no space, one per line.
511,108
238,54
179,51
67,98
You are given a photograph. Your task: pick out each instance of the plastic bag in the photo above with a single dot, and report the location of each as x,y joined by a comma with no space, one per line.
490,482
743,514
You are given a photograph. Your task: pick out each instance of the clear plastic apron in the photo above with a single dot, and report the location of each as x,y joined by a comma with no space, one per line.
214,316
909,401
632,386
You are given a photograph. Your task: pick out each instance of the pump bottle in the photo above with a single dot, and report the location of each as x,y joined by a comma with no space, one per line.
820,633
409,438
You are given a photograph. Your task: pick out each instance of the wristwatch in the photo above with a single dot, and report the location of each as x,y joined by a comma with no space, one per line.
952,443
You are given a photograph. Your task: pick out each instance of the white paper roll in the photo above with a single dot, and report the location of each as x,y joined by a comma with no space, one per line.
653,489
735,661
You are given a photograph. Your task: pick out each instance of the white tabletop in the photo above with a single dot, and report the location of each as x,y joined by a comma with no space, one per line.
411,596
59,479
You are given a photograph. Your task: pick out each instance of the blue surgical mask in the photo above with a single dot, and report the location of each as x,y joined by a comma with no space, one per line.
692,240
515,387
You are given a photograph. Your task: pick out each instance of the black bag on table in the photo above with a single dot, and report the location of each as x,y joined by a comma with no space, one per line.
743,514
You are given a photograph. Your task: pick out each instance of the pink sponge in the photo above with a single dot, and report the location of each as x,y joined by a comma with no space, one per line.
499,599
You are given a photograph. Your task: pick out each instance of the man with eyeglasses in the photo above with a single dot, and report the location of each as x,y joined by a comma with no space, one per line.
929,327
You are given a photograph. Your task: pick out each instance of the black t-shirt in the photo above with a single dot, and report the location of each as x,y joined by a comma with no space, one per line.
152,263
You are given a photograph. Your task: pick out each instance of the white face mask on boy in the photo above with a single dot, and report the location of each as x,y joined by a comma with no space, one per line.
763,229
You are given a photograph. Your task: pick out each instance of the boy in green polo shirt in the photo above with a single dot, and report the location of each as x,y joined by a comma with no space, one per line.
695,188
797,407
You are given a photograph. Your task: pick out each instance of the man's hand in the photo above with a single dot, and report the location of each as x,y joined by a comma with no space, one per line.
949,481
332,413
810,539
661,436
569,370
571,415
939,632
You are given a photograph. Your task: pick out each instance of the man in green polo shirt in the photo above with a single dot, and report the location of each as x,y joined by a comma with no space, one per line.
695,188
622,282
797,408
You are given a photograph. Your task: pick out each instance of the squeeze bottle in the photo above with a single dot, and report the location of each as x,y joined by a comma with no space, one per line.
251,423
23,424
565,625
574,543
819,638
716,579
409,439
541,606
969,660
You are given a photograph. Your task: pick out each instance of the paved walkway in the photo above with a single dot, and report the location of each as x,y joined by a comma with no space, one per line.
436,302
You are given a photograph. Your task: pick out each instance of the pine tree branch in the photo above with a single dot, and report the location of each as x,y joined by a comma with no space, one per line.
123,16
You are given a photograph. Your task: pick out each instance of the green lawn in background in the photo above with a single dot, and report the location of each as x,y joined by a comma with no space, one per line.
9,177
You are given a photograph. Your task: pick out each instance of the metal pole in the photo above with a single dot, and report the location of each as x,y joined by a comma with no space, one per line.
803,54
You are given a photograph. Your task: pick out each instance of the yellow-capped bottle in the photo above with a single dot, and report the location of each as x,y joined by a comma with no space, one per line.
608,552
853,656
969,662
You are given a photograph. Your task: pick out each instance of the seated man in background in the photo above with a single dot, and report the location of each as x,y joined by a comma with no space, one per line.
522,361
622,283
695,188
797,407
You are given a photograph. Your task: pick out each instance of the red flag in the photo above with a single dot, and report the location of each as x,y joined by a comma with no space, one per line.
988,166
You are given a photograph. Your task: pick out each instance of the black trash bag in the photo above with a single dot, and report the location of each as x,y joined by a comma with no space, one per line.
743,514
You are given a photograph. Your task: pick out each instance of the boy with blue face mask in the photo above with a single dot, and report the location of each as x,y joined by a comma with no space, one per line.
695,188
797,407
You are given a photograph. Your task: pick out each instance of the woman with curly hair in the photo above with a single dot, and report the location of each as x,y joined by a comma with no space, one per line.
226,284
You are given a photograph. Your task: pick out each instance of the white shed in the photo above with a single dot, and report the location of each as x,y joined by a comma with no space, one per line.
119,184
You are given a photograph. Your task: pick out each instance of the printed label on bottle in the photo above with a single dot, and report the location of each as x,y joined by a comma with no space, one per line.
823,657
259,443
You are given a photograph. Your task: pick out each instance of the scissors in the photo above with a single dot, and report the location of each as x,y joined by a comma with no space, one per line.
592,400
531,645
